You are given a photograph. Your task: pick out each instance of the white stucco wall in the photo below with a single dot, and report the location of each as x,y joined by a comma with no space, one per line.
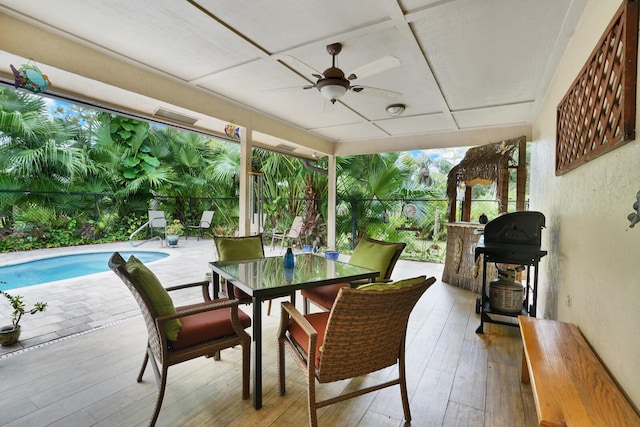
594,258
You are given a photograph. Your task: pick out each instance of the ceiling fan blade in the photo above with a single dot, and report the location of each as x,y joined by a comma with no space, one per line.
284,89
375,67
377,92
298,65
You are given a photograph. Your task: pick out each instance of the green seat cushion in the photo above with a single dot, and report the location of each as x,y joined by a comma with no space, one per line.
393,285
236,248
157,294
373,255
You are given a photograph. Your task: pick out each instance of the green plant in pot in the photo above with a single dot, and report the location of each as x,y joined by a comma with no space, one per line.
312,233
10,334
174,231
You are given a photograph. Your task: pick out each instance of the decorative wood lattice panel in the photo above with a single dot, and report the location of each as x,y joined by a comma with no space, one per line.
598,112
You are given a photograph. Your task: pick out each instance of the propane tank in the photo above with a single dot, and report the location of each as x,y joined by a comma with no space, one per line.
505,293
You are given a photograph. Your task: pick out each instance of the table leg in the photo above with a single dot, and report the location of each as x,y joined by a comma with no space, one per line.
216,284
257,359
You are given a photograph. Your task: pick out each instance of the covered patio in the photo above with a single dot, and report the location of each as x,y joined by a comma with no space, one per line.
472,77
82,372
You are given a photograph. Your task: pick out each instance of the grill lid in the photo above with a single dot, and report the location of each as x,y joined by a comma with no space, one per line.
515,228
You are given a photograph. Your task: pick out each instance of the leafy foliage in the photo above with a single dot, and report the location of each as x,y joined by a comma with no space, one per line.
128,166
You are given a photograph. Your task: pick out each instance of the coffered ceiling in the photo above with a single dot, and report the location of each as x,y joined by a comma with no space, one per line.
468,71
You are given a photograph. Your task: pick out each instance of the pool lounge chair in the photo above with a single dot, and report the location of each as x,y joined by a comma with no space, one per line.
204,224
157,220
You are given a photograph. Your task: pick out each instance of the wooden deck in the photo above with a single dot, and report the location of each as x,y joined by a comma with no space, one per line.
455,378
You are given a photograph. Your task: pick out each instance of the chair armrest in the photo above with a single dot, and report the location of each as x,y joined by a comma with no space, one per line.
204,284
276,233
187,285
290,313
289,309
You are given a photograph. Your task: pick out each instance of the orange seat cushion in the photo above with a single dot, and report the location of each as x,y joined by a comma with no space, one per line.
324,295
319,323
209,325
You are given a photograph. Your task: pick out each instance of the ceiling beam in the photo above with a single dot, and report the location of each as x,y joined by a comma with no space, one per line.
457,138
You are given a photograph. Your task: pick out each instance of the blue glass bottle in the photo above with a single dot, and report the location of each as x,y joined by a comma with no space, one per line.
289,259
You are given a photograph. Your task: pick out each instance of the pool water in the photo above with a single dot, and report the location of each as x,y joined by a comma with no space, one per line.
64,267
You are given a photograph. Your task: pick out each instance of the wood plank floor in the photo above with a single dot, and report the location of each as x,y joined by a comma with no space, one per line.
455,378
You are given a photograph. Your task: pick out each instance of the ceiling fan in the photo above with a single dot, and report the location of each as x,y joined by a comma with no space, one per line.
333,84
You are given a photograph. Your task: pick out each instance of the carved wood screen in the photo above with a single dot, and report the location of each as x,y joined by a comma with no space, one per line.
598,112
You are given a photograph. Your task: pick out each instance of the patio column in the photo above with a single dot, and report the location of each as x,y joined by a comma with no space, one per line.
245,168
331,208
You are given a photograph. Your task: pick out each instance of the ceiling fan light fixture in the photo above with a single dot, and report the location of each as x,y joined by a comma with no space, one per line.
395,109
333,89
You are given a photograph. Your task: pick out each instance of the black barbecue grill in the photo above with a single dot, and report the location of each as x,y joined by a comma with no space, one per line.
512,238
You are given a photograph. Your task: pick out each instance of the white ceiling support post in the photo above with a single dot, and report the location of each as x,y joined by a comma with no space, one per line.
245,179
331,208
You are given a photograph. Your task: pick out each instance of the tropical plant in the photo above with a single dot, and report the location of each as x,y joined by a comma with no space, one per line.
19,308
313,232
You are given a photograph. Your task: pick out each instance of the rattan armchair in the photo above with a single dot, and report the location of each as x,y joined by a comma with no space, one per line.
369,253
349,341
203,329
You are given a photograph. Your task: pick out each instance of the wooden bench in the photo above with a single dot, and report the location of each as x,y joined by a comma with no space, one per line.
570,385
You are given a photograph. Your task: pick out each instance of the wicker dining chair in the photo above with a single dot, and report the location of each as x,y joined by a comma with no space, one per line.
178,334
239,248
369,253
349,341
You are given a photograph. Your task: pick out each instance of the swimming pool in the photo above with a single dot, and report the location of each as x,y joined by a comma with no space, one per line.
45,270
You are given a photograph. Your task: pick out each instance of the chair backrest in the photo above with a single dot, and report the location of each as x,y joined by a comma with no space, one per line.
236,248
118,265
366,330
157,219
371,253
206,219
296,228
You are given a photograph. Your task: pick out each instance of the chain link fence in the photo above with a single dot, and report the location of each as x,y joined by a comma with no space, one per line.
99,217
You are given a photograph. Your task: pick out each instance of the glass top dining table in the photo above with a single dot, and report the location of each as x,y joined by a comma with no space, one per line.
266,278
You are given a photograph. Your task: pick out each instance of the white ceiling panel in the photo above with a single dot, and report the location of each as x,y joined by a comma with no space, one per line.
284,24
356,131
416,124
491,52
507,114
457,64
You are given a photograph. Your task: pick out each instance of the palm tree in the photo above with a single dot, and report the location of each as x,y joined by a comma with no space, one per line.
37,150
286,180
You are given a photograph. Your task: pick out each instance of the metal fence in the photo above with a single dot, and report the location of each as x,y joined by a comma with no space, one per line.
421,223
